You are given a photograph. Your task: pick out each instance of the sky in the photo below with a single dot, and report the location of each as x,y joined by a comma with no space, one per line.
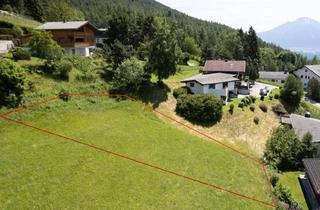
263,15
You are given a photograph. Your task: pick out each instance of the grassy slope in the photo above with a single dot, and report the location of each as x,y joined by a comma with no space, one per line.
237,129
290,180
41,171
19,21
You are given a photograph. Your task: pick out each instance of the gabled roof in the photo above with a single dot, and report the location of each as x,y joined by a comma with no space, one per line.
224,66
314,68
312,166
74,25
206,79
276,75
302,125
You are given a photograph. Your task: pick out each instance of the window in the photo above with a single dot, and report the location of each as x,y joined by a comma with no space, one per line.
80,39
191,84
212,86
61,40
306,70
225,85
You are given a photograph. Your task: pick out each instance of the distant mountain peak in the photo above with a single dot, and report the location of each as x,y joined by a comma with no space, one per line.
300,35
305,20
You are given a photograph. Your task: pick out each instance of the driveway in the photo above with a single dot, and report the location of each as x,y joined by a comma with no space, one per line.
317,104
255,90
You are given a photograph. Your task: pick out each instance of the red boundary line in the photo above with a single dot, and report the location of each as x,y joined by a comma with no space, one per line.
4,116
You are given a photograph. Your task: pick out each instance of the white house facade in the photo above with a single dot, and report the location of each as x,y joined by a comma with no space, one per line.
308,72
219,84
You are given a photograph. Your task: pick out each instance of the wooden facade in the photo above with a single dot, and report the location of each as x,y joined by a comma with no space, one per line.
85,36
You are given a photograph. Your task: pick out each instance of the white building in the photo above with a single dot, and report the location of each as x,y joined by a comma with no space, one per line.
308,72
219,84
274,76
5,46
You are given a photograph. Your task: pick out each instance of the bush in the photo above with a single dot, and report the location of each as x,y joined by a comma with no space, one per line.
20,54
256,120
231,108
203,109
270,97
129,74
252,108
12,83
263,107
285,151
284,195
62,70
43,46
180,91
241,105
276,96
274,179
87,77
292,92
279,109
253,99
314,89
262,98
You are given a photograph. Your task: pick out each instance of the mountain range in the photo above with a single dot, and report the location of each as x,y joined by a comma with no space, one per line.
301,35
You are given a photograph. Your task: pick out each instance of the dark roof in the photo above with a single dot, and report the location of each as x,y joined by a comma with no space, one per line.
73,25
276,75
312,166
224,66
216,78
314,68
302,125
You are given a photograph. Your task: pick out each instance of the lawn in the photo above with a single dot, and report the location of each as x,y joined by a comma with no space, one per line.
39,171
19,21
290,180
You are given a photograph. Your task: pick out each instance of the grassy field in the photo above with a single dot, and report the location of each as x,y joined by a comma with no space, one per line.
290,180
45,172
19,21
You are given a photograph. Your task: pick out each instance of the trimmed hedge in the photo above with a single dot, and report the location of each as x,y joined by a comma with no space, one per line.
180,91
263,107
20,54
203,108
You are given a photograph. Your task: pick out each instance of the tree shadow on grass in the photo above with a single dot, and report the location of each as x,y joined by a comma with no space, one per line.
149,93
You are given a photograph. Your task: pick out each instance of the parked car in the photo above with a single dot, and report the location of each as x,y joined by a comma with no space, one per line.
263,92
267,89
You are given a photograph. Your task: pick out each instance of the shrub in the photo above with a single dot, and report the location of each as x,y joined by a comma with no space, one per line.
12,83
262,98
274,178
276,96
62,70
285,151
180,91
292,92
270,97
87,77
253,99
252,108
43,46
256,120
314,89
284,195
231,108
129,74
20,54
204,108
263,107
241,105
279,109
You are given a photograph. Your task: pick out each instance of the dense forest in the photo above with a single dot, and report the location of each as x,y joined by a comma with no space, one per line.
196,38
